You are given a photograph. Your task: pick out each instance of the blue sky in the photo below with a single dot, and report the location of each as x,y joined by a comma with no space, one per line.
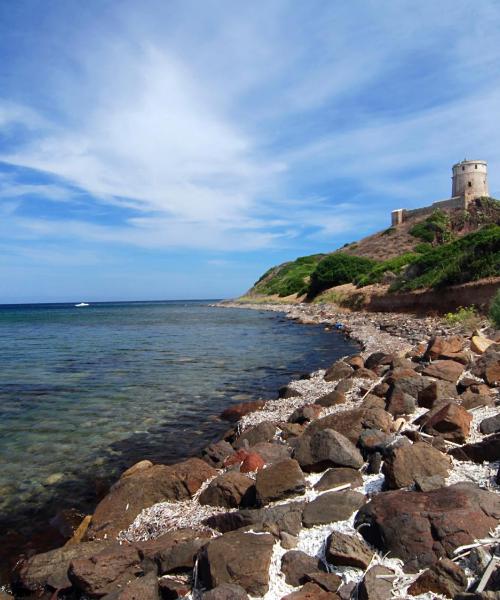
158,149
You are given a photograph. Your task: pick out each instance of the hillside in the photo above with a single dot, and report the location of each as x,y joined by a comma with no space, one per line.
431,252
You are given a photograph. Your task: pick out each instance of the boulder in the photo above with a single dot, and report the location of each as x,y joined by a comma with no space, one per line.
226,591
139,466
339,370
291,430
444,577
374,440
331,507
485,450
311,591
378,358
356,361
327,448
480,344
306,413
490,425
363,373
50,569
376,584
230,490
436,391
288,392
130,495
404,465
276,519
172,588
105,572
237,558
236,412
296,564
447,370
251,463
487,366
216,454
451,422
381,389
421,527
350,423
374,463
271,452
373,401
172,551
400,403
439,345
279,481
426,484
331,399
330,582
141,588
263,432
470,399
344,385
336,477
348,551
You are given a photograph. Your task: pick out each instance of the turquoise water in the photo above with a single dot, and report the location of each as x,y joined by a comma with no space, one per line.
85,392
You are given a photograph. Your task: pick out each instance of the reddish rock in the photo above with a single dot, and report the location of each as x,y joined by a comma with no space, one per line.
279,481
363,373
105,572
238,558
230,490
311,591
439,345
436,391
421,527
404,465
350,423
452,422
144,588
139,466
447,370
399,403
348,551
252,462
330,582
130,495
234,413
331,399
306,413
487,366
445,578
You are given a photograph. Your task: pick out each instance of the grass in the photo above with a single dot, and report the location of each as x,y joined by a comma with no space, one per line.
467,316
436,228
495,310
471,257
393,265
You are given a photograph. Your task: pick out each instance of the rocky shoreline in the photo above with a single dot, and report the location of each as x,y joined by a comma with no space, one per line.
377,478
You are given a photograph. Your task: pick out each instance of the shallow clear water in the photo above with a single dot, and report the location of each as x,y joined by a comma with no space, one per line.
85,392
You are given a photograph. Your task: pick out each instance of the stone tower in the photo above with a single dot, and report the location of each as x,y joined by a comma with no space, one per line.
470,180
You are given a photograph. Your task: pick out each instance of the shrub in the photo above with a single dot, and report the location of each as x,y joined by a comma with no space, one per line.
289,278
495,310
422,248
436,227
337,269
394,265
471,257
464,315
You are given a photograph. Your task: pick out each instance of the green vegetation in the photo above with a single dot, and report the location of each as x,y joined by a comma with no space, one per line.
393,265
436,228
495,310
465,315
289,278
336,269
422,248
471,257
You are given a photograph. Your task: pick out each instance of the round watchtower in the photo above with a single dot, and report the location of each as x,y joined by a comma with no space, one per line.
470,179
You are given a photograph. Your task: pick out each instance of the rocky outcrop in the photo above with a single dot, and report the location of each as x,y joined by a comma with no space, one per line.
421,527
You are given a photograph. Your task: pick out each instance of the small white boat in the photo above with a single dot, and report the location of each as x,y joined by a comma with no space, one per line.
81,304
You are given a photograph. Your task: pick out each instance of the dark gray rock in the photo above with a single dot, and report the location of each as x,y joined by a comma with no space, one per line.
216,454
376,584
327,448
348,551
335,477
485,450
490,425
226,591
263,432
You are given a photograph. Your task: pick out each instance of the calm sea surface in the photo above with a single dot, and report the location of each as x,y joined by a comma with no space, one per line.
86,392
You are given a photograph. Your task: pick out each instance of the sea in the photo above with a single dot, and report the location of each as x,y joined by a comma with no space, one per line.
85,392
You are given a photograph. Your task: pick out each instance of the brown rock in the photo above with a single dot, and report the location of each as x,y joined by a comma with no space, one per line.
444,577
216,454
327,448
336,477
377,584
330,582
240,558
399,403
490,425
485,450
288,392
469,399
252,462
226,591
439,345
296,564
139,466
279,481
263,432
291,430
378,358
130,495
405,464
106,572
447,370
339,370
350,423
452,422
347,551
372,401
331,507
363,373
479,344
487,366
311,591
234,413
356,362
271,453
436,391
306,413
50,569
331,399
171,589
231,490
421,527
141,588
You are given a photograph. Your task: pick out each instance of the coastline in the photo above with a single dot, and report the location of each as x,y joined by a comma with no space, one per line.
393,335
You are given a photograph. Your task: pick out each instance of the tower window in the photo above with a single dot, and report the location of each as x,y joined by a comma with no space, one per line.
470,183
463,168
475,167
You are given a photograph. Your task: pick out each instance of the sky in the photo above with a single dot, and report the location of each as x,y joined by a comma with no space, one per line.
155,149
